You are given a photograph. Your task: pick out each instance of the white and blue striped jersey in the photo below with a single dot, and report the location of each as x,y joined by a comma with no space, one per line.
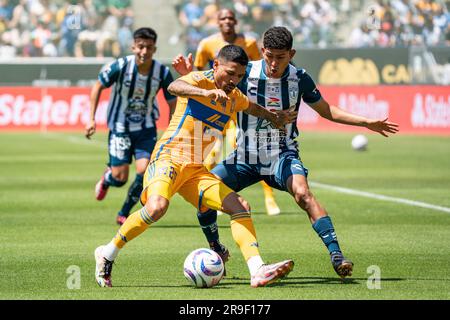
132,105
256,135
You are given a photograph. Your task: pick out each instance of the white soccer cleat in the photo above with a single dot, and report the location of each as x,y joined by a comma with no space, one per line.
272,207
103,268
270,273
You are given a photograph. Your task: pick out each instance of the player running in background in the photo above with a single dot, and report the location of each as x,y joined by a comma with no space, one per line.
269,154
204,57
132,115
207,100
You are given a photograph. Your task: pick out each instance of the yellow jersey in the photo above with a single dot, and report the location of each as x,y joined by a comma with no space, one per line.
197,122
209,47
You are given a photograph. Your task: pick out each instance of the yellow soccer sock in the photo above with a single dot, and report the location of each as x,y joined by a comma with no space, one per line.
135,224
244,234
268,192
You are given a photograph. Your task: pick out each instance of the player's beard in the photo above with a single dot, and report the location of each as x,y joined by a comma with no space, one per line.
228,88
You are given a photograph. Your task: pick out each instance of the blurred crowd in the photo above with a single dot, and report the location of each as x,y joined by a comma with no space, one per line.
80,28
312,22
325,23
400,23
65,28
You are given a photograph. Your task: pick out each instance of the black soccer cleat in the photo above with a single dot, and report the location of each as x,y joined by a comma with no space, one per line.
342,266
222,251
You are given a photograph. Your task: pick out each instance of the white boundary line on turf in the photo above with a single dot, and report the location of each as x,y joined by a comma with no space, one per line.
75,139
95,143
379,196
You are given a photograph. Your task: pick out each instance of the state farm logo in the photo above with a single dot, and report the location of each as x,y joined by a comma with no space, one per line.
364,105
430,111
19,110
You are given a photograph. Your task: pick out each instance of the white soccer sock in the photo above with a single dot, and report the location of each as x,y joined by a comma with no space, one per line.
254,263
110,251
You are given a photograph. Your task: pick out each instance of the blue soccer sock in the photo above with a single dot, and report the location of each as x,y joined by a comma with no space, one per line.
208,222
325,230
134,192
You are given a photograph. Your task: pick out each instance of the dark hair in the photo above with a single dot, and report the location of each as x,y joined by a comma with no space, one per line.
233,53
278,38
145,33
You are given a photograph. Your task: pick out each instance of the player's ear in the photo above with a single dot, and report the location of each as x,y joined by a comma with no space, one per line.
292,53
215,64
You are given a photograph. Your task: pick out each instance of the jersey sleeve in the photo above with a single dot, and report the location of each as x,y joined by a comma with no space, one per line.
167,80
307,88
194,78
242,102
109,74
201,56
253,50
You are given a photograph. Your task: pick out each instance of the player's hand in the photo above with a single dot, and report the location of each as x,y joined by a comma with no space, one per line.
90,129
383,127
217,95
183,65
287,116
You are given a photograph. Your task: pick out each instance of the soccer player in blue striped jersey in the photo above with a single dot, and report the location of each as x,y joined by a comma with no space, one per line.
132,114
269,154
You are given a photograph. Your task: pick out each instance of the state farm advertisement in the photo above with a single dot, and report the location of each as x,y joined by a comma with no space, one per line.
30,108
417,109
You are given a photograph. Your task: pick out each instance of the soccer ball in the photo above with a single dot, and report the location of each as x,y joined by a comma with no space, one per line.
359,142
203,268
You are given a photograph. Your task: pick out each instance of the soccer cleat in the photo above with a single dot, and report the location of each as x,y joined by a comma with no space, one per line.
270,273
120,220
272,207
342,266
101,188
103,269
222,251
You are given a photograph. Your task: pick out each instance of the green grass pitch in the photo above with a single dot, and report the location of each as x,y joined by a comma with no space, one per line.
50,223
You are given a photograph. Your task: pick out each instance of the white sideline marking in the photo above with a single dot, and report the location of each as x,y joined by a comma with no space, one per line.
75,140
379,197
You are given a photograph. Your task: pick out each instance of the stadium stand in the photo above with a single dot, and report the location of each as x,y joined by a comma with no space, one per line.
43,28
99,28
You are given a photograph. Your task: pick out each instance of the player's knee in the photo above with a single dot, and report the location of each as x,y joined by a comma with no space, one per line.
156,207
244,204
121,178
303,196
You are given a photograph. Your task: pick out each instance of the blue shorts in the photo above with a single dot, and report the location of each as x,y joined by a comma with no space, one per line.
122,146
238,174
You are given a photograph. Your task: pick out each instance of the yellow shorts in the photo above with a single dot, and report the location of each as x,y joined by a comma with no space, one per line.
193,182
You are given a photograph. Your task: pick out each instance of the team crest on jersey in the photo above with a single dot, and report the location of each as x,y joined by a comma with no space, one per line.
293,92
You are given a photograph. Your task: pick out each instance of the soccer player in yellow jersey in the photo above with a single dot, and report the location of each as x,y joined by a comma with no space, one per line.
204,57
209,47
207,101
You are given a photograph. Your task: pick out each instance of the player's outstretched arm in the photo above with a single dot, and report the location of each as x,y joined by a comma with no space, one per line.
279,119
94,98
183,89
338,115
183,65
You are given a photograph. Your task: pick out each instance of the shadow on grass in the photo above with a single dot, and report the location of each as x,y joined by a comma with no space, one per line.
181,226
229,283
